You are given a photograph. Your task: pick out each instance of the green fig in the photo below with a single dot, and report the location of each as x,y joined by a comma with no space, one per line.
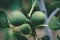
25,29
17,18
38,17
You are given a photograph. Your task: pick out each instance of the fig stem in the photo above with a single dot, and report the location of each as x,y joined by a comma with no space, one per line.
33,5
33,29
11,34
33,32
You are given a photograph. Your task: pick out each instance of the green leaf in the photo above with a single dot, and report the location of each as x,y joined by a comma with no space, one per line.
3,20
54,23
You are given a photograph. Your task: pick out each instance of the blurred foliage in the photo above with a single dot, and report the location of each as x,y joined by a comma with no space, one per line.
15,4
58,14
6,34
20,37
4,4
45,38
51,6
9,34
58,37
56,0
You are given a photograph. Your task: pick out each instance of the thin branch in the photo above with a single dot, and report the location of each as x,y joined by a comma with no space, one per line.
47,30
42,6
52,14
